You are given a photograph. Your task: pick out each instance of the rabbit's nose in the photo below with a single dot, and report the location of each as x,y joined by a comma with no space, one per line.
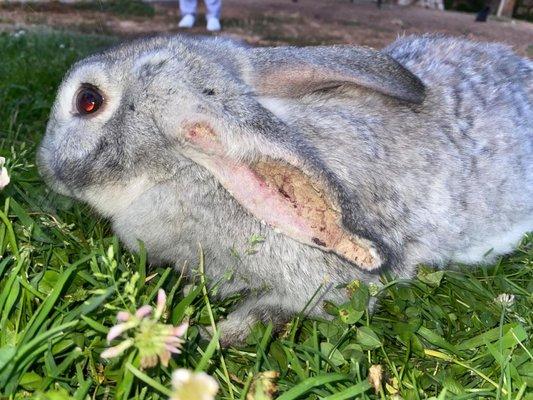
49,175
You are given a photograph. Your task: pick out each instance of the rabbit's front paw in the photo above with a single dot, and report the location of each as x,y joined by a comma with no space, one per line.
237,326
233,331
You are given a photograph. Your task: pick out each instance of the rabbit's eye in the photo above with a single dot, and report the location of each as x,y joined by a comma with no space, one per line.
89,100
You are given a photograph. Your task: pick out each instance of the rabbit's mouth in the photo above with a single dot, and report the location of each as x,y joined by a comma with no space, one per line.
49,175
283,196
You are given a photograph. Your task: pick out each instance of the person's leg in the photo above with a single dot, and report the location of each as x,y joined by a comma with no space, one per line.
188,12
213,9
188,7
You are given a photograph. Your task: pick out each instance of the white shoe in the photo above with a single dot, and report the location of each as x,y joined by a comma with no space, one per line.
187,21
213,24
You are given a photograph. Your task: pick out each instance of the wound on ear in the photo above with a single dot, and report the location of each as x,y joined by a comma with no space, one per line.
311,204
284,197
203,138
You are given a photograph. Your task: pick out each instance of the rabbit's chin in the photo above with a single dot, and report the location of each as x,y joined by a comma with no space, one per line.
56,184
111,198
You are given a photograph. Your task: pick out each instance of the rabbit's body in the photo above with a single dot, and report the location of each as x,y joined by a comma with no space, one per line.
435,174
484,96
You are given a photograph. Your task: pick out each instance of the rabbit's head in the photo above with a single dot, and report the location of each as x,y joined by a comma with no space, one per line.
133,117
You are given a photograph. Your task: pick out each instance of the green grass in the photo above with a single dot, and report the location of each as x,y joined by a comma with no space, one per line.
439,336
123,8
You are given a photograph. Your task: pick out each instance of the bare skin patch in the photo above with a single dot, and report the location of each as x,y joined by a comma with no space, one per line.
284,197
203,137
310,202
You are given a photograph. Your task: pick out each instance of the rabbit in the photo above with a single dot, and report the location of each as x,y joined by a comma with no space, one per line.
299,169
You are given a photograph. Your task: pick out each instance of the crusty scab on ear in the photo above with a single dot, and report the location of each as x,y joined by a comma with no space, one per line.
202,136
311,202
283,196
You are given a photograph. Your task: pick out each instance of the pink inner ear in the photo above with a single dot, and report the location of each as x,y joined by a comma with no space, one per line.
284,197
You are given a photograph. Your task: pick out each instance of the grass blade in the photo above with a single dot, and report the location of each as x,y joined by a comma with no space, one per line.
311,383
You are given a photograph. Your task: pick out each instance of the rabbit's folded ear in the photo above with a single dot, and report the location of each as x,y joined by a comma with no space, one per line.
293,72
283,189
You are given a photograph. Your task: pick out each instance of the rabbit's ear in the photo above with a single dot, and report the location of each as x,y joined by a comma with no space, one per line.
294,72
279,189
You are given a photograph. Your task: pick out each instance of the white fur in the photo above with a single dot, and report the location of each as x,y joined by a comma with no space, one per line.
280,108
112,199
502,243
151,58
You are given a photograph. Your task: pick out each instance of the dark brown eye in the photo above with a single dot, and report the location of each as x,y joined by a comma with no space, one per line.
89,100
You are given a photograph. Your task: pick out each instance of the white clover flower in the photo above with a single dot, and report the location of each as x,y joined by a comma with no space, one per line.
505,299
155,341
373,289
4,176
19,33
188,385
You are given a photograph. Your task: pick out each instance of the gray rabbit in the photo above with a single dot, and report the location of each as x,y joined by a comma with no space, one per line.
344,161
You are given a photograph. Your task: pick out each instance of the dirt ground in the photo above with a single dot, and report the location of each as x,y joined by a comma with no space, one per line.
267,22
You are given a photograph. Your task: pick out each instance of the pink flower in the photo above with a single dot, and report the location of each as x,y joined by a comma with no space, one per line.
155,341
123,316
144,311
119,329
117,350
161,302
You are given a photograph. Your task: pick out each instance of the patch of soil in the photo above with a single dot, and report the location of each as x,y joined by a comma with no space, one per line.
273,22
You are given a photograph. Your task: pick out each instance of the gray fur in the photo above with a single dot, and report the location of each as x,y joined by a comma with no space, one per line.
427,145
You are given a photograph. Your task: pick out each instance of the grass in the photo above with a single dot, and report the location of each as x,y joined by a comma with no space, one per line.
63,277
123,8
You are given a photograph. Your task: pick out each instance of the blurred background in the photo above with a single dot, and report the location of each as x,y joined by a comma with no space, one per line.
296,22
